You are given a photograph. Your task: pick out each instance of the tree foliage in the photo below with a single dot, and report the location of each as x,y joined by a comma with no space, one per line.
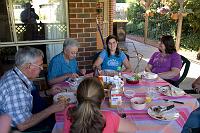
163,24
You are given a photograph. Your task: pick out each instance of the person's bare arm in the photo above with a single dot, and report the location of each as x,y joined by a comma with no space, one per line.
169,74
98,62
126,126
5,123
148,68
127,66
62,78
37,118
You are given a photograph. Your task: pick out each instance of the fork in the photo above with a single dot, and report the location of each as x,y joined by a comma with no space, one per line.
173,101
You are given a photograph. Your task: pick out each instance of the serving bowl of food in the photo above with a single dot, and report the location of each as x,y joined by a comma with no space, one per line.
138,103
133,79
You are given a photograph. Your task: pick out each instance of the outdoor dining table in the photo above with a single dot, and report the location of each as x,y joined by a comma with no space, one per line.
144,122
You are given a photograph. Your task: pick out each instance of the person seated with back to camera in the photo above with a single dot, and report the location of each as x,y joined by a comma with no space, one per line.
167,62
64,65
192,124
19,97
111,58
87,117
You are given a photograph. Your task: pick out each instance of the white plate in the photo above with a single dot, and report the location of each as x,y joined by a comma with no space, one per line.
171,91
168,115
79,79
110,72
69,95
150,75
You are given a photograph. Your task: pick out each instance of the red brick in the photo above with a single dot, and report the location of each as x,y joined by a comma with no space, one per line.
83,4
93,44
73,25
80,40
83,34
73,20
93,15
84,44
82,15
90,10
79,58
75,10
81,49
93,4
84,54
90,1
90,29
90,48
93,34
83,25
89,20
73,35
90,39
72,5
72,15
76,30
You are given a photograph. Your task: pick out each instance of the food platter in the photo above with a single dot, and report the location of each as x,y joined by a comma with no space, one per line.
171,91
70,97
168,115
150,76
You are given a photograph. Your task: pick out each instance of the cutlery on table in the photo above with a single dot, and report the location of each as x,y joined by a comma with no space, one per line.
173,101
160,109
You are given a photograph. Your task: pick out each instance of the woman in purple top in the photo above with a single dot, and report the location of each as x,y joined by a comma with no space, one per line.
167,62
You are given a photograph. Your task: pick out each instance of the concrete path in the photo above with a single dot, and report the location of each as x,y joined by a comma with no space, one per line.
148,50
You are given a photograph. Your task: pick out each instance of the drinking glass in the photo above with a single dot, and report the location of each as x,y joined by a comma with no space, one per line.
121,109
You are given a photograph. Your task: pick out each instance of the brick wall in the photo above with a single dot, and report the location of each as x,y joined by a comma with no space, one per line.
111,14
82,26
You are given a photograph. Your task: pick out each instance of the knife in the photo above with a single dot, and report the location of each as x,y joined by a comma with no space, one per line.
173,101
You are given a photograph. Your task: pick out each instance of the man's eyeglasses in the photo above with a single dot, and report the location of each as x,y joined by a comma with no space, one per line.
39,66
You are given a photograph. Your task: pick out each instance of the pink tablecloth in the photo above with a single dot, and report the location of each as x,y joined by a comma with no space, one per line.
143,121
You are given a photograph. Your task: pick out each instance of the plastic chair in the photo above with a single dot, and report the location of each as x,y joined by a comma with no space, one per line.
186,66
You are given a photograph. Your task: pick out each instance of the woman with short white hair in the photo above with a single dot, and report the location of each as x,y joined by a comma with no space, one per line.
64,65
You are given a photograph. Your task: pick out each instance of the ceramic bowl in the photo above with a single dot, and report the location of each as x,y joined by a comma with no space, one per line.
129,93
138,103
132,81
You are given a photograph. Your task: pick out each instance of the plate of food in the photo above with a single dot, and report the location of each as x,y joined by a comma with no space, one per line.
172,91
108,72
165,113
150,76
66,97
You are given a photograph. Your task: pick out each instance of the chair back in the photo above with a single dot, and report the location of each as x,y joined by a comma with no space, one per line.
186,63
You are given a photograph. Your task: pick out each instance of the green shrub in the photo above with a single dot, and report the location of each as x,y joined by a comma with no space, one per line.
191,41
